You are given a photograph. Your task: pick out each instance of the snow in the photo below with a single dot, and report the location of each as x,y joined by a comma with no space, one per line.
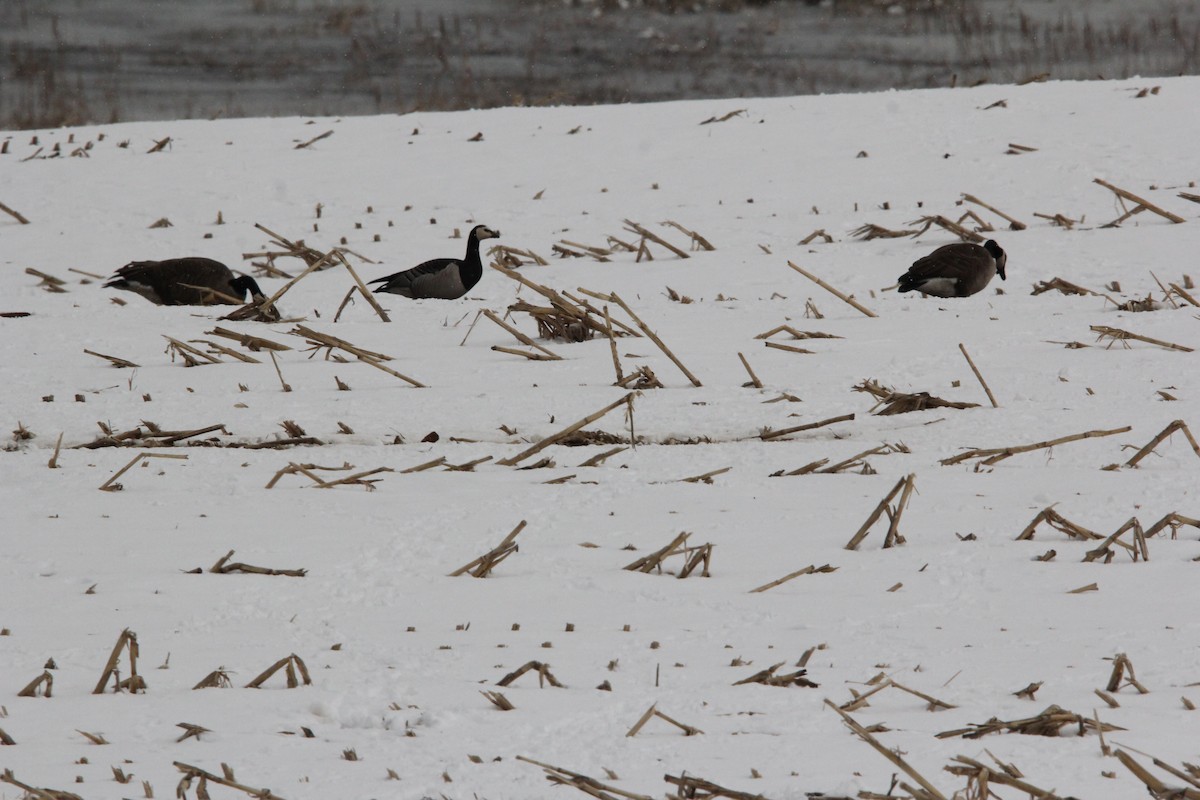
399,652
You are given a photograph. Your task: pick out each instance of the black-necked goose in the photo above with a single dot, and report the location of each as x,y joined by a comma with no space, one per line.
441,278
955,270
191,281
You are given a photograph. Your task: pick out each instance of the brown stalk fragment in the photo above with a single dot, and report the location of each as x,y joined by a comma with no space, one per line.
1064,287
524,353
724,117
627,401
995,455
979,376
289,664
305,144
865,735
934,703
767,677
319,341
1140,202
652,712
754,380
872,231
599,458
8,777
362,287
46,680
843,297
614,298
653,561
894,402
17,215
1058,522
223,567
49,282
1048,723
111,485
1173,521
1029,691
767,436
191,773
648,235
979,775
1117,335
226,351
217,679
541,668
1013,224
706,477
252,343
950,225
511,257
590,786
796,334
522,338
192,357
1122,675
904,488
1176,426
1180,292
855,461
116,362
567,318
190,731
692,786
1137,549
698,241
1060,220
809,570
498,700
126,641
481,567
789,348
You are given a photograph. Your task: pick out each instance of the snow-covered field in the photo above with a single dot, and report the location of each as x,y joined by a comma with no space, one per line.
399,652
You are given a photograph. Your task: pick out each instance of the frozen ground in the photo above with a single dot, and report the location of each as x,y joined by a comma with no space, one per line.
398,652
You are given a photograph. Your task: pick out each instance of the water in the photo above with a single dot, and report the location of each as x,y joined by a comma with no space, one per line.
76,61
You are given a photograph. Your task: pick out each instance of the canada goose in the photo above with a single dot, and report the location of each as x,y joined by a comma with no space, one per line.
955,270
191,281
442,278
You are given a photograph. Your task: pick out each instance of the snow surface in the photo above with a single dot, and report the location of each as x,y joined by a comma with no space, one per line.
399,652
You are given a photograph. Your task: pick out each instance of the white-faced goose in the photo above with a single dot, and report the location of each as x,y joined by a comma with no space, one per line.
191,281
441,278
955,270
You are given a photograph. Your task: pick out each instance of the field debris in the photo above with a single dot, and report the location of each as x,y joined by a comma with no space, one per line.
482,567
893,402
1050,722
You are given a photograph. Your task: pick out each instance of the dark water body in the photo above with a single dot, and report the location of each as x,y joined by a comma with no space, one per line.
77,61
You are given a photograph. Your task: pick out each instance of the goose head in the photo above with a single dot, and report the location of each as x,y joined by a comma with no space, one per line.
244,283
995,251
481,232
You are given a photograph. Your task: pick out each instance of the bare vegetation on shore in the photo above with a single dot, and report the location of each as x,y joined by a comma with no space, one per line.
271,57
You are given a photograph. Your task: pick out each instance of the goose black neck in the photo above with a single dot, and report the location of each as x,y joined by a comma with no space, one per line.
472,265
244,282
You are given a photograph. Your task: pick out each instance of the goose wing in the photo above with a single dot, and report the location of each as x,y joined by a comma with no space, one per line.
950,261
175,281
436,278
